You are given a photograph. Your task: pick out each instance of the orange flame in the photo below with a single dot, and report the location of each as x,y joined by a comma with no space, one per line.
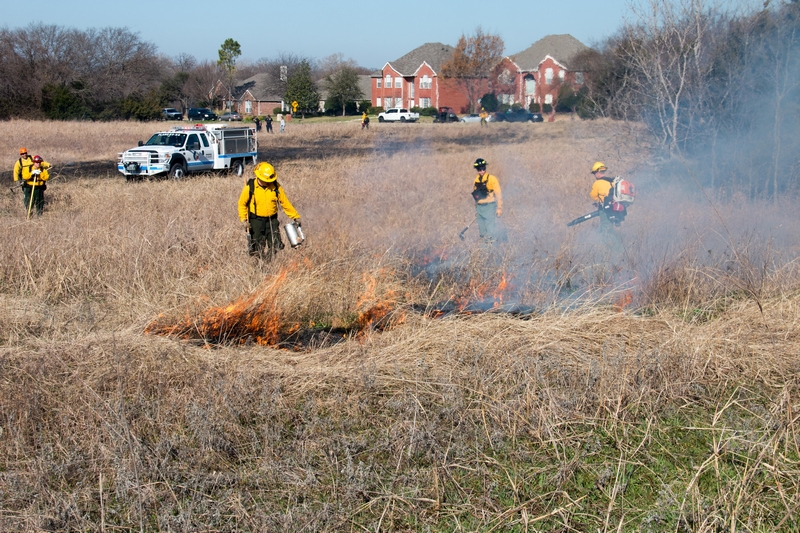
623,301
255,317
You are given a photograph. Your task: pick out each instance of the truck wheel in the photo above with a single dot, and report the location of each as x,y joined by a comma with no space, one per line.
177,172
237,168
402,119
380,119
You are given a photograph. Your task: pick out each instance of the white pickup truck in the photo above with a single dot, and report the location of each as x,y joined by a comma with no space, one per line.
185,149
397,114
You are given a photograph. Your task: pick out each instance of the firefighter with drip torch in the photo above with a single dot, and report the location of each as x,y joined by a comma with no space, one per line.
488,200
258,211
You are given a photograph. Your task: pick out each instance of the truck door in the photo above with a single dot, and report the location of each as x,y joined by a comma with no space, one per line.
195,156
207,155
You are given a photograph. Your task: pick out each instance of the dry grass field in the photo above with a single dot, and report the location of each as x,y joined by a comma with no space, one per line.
387,376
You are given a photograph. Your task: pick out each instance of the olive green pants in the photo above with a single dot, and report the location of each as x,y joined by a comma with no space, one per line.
265,235
38,198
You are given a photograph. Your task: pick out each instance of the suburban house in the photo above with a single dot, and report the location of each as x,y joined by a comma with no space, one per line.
364,83
537,73
251,97
414,80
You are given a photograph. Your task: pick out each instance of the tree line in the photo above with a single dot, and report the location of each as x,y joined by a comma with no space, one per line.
49,71
719,91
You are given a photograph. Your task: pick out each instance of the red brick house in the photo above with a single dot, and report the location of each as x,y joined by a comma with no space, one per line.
251,97
537,73
414,80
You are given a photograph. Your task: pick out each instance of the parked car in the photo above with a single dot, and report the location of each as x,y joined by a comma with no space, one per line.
519,115
200,113
170,113
473,117
397,114
230,115
445,114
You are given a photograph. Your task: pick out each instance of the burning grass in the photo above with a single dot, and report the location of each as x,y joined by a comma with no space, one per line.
653,390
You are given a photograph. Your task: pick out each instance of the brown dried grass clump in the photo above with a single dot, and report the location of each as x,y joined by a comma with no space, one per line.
650,390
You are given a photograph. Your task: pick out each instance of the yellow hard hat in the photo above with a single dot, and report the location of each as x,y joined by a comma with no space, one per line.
598,166
265,172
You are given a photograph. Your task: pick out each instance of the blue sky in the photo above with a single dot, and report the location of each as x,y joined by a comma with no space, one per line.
369,32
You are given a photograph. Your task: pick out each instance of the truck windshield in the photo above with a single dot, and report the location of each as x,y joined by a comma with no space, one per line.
167,139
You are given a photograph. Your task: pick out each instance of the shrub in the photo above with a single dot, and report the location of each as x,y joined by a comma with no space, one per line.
502,108
489,102
425,111
364,105
535,107
547,108
276,110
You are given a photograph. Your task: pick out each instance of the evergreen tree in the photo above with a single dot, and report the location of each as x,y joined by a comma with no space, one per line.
301,88
228,53
343,88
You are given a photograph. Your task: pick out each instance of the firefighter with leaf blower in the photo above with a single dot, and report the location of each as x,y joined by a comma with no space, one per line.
612,197
258,211
488,200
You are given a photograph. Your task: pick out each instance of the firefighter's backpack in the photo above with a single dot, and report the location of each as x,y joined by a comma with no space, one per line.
622,191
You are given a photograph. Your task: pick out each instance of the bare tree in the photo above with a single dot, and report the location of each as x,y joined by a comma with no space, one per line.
667,51
472,62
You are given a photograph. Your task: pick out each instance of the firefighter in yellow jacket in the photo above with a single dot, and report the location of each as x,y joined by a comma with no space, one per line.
32,173
258,210
609,220
488,200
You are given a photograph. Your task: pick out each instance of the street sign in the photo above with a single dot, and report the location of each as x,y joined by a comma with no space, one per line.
294,105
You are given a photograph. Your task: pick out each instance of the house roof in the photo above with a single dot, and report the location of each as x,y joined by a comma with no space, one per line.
259,87
365,84
434,54
562,48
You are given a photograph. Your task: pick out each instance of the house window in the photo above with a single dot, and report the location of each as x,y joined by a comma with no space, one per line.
530,85
561,74
425,83
398,83
379,83
388,82
579,78
424,102
248,106
377,102
411,89
548,76
548,98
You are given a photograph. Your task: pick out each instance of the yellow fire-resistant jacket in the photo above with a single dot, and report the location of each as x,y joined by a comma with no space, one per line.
493,186
23,170
265,201
600,190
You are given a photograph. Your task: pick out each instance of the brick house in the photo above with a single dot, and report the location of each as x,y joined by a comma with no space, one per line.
251,97
537,73
364,83
414,81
